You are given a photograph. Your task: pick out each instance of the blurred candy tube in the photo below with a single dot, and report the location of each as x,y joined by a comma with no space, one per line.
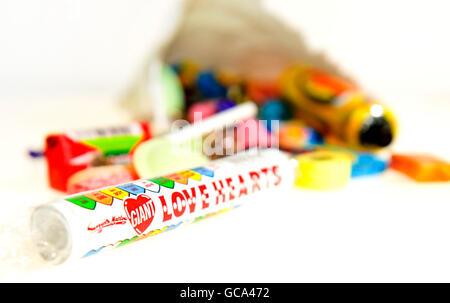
86,223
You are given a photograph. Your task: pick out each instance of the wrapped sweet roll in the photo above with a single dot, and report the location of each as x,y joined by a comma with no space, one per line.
85,223
71,152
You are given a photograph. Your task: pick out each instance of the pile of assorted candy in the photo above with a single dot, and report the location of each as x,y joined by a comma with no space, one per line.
323,120
334,130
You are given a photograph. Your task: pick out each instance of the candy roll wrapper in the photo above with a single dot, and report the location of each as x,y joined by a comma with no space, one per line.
86,223
73,151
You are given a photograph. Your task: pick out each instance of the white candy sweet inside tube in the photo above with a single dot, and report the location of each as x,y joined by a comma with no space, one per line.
83,224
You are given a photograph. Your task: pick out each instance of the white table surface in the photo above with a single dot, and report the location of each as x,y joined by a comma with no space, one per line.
386,228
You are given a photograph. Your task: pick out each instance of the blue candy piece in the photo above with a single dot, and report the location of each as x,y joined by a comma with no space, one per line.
224,104
209,87
176,67
368,164
316,138
275,110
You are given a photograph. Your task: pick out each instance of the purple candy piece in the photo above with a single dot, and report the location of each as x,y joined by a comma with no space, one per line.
224,104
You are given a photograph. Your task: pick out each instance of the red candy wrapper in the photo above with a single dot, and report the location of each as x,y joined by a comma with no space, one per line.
70,152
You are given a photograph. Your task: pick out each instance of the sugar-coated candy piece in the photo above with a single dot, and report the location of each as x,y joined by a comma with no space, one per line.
209,86
259,91
187,72
323,170
246,139
421,167
202,110
236,92
367,164
274,109
294,135
224,104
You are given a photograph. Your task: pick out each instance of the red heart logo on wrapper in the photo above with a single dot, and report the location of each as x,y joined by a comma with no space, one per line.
140,212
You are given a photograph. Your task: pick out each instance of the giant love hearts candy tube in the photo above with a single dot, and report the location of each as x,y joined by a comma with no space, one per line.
86,223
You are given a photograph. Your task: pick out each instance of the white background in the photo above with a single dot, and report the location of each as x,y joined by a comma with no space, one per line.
96,45
58,58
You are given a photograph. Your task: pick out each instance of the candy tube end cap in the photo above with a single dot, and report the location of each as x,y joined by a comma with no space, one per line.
50,234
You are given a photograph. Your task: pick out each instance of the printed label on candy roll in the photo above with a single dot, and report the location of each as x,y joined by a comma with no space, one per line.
100,197
190,174
140,212
147,206
196,198
148,185
116,193
82,201
114,142
133,129
132,188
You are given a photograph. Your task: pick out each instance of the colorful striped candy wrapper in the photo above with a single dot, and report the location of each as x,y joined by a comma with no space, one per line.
85,223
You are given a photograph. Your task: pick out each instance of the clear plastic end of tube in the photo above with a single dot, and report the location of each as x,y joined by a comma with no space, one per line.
50,234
